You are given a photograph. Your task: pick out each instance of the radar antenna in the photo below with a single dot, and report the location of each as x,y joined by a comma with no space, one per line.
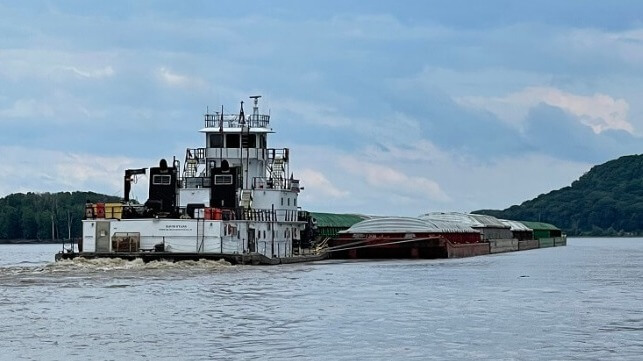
255,108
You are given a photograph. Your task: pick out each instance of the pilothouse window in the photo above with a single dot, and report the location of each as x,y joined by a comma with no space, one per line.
232,141
160,179
216,140
223,179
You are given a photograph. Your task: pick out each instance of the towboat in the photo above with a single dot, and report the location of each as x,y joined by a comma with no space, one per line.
234,199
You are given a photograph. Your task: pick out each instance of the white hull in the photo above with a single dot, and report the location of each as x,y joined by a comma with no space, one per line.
188,236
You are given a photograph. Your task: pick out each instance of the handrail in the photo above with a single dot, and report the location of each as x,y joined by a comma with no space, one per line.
234,121
275,183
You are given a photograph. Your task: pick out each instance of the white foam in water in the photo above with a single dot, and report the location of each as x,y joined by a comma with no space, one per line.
108,264
84,265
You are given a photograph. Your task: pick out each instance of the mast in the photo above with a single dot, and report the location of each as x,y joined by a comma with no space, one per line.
242,122
222,136
255,116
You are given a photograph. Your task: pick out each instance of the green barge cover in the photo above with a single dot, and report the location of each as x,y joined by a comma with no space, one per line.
329,224
543,230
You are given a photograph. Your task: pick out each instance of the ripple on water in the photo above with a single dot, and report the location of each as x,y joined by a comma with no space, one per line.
72,273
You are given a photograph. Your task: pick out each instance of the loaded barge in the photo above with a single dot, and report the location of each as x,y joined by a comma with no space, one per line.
234,199
436,235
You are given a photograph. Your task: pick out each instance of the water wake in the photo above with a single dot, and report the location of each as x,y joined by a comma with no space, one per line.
80,266
108,264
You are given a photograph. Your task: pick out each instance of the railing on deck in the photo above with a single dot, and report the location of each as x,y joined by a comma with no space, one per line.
234,121
269,215
271,183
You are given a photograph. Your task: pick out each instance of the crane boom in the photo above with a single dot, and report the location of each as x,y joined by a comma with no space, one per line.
129,173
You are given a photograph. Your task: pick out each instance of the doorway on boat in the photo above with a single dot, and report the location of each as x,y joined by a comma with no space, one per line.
251,240
102,236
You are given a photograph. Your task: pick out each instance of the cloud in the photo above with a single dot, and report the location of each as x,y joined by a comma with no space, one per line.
177,80
57,107
624,46
312,112
409,179
27,108
41,170
318,186
392,180
598,111
551,130
95,73
54,65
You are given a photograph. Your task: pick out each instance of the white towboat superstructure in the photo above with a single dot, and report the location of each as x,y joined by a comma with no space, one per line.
235,196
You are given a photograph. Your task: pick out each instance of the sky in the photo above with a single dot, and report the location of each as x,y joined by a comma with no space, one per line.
388,107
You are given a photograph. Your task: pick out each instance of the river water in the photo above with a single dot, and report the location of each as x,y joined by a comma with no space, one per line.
580,302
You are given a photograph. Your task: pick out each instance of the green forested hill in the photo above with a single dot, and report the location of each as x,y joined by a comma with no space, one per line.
30,216
607,200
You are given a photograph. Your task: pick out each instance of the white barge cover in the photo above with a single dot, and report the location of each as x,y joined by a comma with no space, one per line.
408,225
471,220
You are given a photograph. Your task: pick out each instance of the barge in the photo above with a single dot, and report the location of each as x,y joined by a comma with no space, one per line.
439,235
233,199
405,237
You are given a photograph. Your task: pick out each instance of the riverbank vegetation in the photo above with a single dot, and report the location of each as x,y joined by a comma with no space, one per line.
43,217
606,201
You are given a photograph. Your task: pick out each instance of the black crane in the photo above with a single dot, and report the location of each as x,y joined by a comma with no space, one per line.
129,176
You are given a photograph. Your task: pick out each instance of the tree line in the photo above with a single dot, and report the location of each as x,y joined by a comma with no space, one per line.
45,217
606,201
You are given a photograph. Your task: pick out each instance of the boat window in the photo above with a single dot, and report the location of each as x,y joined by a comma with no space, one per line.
262,141
282,201
223,179
249,140
264,234
232,141
288,201
294,202
161,179
216,140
